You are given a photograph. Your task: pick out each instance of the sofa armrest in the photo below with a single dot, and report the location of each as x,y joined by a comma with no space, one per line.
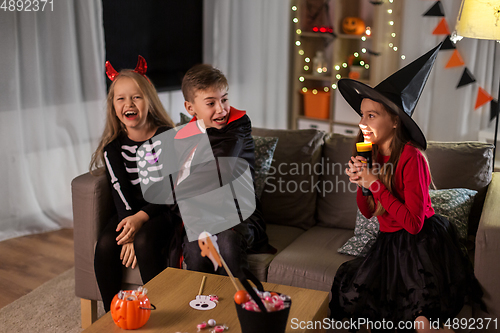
487,253
92,208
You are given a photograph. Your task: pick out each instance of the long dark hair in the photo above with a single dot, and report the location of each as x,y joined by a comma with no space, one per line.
386,171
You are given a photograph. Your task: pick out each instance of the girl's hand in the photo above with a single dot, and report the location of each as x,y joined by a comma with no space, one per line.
130,224
355,166
127,256
359,174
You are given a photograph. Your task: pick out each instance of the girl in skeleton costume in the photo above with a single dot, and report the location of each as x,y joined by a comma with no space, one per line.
139,232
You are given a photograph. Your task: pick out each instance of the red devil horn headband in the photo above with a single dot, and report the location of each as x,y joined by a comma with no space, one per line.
141,68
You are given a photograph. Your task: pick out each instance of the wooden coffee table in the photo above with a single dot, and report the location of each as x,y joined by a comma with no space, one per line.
173,289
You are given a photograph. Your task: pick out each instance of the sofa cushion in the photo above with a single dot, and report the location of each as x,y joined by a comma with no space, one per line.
365,233
312,260
289,197
264,152
455,205
462,164
337,198
280,236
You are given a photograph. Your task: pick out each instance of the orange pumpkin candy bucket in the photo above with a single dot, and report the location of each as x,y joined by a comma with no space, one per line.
130,309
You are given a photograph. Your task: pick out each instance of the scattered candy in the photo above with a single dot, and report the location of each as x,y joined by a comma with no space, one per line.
219,329
214,298
212,323
201,326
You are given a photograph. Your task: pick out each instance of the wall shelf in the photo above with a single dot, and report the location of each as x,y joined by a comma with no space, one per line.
339,49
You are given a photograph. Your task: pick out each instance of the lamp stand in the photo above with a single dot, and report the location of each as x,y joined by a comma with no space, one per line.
496,127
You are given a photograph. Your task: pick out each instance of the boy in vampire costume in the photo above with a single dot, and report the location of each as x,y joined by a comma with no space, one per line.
207,171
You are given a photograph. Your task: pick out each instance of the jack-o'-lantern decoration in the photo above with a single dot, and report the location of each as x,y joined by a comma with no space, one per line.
131,309
353,26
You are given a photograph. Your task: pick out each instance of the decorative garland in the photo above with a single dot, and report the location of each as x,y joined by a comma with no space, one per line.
456,60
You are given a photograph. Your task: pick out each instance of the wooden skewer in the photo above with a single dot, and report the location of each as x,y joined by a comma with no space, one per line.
207,244
233,280
202,284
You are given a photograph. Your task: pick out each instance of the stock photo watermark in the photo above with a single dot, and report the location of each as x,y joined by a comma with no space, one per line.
356,324
27,5
323,177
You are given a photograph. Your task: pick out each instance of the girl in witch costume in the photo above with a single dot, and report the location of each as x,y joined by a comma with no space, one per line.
416,270
139,232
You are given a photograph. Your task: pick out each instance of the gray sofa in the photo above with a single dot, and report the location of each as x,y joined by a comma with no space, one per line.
310,209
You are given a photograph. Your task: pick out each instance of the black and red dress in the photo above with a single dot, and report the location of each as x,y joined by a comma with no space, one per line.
417,266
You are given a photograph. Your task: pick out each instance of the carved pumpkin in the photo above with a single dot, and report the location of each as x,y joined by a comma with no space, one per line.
131,312
353,26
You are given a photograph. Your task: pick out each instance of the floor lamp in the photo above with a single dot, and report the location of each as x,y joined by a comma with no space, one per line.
481,20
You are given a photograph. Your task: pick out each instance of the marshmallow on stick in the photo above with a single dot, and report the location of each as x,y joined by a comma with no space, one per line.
209,248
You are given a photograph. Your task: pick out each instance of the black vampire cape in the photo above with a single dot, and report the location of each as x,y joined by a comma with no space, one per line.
233,140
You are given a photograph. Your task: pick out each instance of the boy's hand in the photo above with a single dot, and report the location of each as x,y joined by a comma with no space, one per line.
127,256
130,224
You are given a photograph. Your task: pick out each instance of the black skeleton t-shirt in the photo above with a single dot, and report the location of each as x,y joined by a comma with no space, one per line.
122,161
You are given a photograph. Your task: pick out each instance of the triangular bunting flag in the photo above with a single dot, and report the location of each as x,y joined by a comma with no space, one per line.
494,109
448,44
442,28
482,98
435,10
467,78
455,60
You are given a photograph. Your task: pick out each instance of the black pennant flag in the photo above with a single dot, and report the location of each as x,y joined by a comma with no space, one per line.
494,109
467,78
435,10
448,44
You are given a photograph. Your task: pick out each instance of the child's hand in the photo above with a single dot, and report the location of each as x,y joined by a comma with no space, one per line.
127,256
355,166
130,224
358,173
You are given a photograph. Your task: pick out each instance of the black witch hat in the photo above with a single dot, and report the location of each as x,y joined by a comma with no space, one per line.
399,92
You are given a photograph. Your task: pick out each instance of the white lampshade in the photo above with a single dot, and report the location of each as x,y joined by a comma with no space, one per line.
479,19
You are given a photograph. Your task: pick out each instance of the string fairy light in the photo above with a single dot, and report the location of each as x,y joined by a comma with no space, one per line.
337,67
393,34
307,60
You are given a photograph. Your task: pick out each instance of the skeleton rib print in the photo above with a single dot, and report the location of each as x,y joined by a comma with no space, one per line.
147,162
145,158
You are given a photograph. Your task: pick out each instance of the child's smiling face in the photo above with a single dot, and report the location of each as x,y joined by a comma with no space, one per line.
129,103
377,124
211,105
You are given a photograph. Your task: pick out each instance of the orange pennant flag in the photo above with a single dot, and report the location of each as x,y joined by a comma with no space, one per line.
482,98
455,60
442,28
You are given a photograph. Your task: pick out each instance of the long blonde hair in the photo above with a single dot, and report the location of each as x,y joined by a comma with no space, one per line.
157,116
386,172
